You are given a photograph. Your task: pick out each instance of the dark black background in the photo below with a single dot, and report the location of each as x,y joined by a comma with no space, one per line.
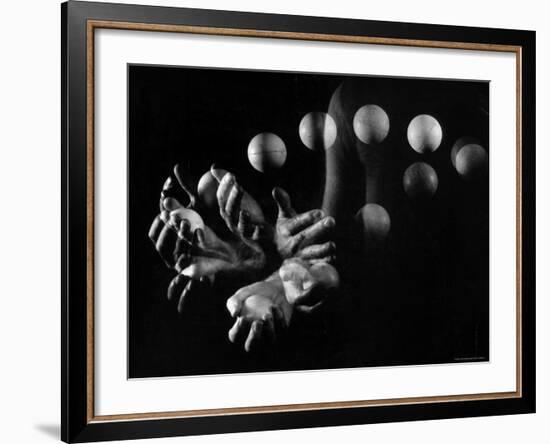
423,299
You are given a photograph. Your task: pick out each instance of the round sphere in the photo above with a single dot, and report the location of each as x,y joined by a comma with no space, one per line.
376,222
371,124
317,130
207,188
266,152
420,181
472,161
466,140
424,134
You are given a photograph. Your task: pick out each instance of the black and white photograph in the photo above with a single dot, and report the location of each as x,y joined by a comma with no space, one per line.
276,222
286,221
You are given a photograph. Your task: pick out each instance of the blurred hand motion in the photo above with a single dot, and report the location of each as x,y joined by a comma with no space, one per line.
238,209
262,314
299,276
308,285
191,248
306,236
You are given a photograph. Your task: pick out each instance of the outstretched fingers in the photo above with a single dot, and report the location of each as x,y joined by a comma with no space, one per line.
166,244
303,221
274,325
224,189
316,233
254,338
270,332
322,252
176,287
156,228
284,206
238,331
190,287
233,204
184,245
183,289
229,196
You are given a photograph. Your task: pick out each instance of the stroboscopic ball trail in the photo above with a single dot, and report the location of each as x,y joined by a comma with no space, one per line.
371,124
462,141
266,152
375,221
317,130
420,181
472,161
424,134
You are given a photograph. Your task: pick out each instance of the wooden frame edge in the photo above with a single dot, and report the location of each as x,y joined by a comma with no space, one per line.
91,25
284,408
90,184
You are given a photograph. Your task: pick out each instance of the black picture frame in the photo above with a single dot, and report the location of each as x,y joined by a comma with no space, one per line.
77,423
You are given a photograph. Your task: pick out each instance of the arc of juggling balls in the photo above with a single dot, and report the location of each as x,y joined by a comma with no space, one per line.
371,125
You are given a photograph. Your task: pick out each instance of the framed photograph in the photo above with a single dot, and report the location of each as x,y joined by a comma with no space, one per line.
277,221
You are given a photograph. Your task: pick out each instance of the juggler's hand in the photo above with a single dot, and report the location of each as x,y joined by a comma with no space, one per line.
306,236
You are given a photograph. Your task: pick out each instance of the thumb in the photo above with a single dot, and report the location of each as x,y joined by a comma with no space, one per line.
282,199
185,184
